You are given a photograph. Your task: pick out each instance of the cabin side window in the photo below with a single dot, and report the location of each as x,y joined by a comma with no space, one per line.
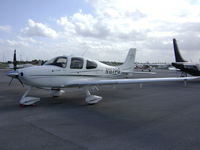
59,61
76,63
91,65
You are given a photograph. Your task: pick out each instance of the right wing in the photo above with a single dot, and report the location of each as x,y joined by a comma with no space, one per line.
126,81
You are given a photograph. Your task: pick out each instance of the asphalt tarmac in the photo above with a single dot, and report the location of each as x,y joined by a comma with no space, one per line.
159,116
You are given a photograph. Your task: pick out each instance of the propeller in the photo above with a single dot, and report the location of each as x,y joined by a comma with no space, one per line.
14,73
10,81
14,61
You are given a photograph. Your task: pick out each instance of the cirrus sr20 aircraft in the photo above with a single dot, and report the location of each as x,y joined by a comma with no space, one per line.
71,71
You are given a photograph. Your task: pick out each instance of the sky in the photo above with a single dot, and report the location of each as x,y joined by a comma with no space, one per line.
99,29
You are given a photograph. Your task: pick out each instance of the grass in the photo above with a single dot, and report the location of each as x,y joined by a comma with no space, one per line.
3,65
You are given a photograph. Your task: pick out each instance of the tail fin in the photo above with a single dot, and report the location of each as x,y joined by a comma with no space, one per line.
129,63
178,56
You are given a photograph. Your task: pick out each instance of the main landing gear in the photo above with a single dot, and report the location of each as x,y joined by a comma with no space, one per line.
183,74
27,101
30,101
92,99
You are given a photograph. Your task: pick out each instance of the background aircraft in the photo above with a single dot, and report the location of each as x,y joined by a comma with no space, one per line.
144,67
183,65
74,71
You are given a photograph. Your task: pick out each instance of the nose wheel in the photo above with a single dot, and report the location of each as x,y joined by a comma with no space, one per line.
28,101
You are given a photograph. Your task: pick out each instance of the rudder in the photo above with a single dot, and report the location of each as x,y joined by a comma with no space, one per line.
129,62
178,56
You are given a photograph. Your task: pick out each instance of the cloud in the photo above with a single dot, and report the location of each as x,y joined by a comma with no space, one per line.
21,42
68,26
117,25
84,25
114,26
5,28
35,29
104,28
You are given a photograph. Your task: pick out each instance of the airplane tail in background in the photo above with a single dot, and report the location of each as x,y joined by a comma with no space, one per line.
178,56
129,63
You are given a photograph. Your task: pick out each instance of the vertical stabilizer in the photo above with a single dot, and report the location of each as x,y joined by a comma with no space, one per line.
129,63
178,56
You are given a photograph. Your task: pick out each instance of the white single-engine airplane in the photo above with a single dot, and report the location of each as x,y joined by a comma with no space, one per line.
72,71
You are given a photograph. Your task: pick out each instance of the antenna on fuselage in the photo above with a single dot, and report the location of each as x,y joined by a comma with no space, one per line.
84,52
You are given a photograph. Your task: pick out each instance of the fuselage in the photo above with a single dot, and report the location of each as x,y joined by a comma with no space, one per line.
61,71
190,68
184,65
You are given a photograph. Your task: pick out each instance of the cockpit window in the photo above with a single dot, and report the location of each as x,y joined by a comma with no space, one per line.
59,61
91,65
76,63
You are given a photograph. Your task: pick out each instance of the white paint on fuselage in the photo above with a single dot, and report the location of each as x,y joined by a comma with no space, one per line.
58,77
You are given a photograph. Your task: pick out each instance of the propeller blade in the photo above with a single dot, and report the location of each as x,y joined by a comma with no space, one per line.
14,61
10,82
21,82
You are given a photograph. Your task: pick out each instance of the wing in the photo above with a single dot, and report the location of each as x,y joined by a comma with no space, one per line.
137,72
127,81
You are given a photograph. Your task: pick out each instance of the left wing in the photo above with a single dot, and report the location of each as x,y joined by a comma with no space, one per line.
126,81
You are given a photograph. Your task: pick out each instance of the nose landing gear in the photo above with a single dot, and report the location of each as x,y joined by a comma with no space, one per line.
27,101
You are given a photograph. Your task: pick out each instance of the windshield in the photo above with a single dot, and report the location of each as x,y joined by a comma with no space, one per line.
58,61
